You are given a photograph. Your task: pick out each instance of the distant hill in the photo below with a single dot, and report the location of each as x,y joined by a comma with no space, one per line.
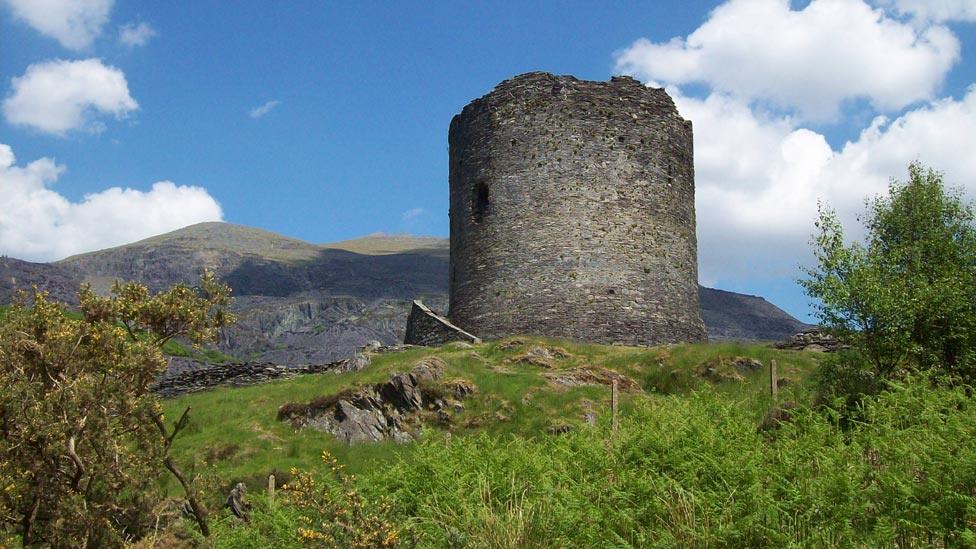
16,275
300,302
741,317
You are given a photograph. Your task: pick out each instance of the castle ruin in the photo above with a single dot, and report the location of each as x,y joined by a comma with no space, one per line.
573,213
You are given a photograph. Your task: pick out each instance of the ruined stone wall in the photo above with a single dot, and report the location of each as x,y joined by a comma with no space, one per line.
425,327
573,213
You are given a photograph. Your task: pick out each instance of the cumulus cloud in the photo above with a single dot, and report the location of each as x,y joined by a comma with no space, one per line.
809,61
134,35
934,10
58,96
261,110
759,178
73,23
38,224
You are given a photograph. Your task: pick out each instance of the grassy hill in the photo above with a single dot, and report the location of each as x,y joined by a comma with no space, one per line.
235,431
702,458
218,237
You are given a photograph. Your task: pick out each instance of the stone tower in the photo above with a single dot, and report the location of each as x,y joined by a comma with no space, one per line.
573,213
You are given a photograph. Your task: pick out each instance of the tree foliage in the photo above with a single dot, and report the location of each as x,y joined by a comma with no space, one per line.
84,441
906,295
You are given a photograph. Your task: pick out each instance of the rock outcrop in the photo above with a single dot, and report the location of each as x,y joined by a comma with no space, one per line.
591,375
391,410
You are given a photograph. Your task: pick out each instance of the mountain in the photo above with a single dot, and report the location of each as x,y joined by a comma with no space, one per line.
299,302
730,316
17,275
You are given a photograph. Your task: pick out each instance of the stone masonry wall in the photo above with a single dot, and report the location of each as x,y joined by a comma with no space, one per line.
573,213
425,327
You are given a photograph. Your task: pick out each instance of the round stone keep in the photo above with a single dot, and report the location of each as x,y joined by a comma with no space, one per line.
573,213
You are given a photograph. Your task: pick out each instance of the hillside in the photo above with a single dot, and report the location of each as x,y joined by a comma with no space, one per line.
527,455
518,389
299,302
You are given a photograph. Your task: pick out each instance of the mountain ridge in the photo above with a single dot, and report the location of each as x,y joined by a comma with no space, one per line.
299,302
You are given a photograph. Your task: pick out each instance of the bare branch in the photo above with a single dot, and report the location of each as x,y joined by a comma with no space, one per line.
79,466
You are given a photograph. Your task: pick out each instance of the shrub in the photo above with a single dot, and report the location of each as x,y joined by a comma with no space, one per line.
84,440
907,295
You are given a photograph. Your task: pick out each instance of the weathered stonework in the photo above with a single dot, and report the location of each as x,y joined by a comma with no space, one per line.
573,213
425,327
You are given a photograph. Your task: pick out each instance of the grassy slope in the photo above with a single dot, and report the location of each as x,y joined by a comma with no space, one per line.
236,430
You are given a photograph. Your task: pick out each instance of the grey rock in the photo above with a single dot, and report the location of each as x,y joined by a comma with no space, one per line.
402,392
236,503
402,438
354,424
355,363
380,411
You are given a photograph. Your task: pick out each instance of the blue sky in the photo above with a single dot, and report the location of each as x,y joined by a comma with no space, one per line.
103,100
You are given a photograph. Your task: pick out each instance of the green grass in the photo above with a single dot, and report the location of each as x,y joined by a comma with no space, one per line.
206,354
235,431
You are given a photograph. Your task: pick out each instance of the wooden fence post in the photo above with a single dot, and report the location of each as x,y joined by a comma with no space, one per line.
271,490
773,380
613,405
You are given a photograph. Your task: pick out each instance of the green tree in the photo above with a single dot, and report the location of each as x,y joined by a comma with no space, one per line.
84,440
906,295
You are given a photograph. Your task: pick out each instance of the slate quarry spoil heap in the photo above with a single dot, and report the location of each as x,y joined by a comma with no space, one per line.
573,213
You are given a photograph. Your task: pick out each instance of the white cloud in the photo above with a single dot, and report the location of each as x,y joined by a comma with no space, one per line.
133,35
73,23
261,110
758,179
59,96
38,224
412,214
809,61
934,10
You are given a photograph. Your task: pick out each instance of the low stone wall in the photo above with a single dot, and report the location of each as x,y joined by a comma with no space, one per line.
189,376
812,340
207,376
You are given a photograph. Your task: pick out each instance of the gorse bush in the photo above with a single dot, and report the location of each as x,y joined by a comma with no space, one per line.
321,508
83,440
333,513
